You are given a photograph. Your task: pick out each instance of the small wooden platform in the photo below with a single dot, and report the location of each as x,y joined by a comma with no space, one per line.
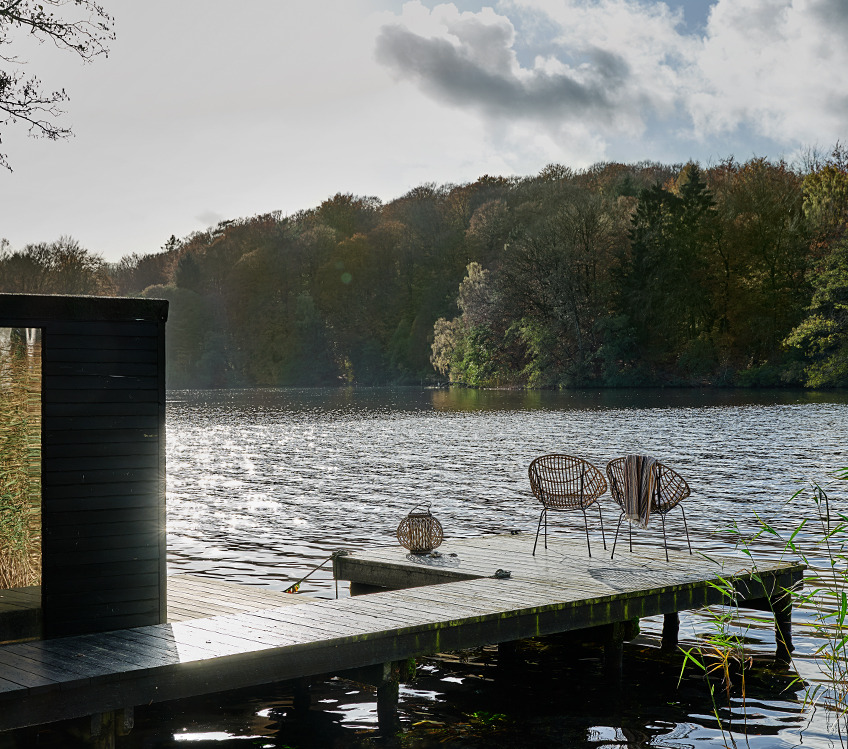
560,589
596,590
565,564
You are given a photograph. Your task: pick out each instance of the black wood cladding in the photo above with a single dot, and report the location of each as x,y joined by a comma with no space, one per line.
103,458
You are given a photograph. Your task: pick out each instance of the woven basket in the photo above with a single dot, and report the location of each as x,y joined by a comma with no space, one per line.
420,532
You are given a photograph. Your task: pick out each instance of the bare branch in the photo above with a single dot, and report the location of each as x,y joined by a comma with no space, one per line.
21,98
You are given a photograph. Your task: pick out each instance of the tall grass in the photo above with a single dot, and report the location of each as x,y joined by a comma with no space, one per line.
723,658
20,461
820,541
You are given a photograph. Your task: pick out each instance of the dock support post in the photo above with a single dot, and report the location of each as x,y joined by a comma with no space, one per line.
670,630
125,721
507,655
387,699
102,730
301,696
614,651
782,607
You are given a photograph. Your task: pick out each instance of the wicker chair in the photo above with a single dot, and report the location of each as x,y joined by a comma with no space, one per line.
670,489
563,482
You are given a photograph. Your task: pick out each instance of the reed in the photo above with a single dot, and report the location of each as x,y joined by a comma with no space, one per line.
820,541
20,462
723,659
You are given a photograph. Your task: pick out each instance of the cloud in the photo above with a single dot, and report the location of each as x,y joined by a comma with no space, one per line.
774,66
596,70
834,13
209,218
606,70
478,68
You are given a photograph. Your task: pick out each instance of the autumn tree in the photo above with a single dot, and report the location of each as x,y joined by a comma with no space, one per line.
59,267
554,279
761,210
348,214
133,273
488,231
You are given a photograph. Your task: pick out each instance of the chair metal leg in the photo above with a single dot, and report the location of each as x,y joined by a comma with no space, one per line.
603,536
616,534
538,528
687,529
586,525
665,543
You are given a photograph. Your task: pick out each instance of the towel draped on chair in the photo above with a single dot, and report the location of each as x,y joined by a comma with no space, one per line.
639,486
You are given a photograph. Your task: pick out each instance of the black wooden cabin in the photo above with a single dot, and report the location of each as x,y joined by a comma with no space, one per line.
102,458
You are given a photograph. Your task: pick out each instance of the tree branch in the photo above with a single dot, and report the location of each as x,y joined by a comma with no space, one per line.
21,99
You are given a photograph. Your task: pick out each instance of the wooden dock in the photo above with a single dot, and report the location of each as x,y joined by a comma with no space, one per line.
463,605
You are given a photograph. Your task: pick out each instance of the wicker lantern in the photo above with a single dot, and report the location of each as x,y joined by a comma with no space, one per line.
419,531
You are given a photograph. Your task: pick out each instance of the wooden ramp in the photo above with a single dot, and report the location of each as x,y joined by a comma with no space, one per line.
559,589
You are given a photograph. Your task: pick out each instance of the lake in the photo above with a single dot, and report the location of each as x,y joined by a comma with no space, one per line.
263,485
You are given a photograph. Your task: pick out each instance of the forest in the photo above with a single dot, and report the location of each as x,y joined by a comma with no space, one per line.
618,275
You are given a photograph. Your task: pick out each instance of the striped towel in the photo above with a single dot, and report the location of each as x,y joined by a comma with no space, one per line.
639,478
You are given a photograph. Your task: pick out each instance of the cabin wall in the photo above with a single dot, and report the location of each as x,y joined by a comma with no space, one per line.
103,460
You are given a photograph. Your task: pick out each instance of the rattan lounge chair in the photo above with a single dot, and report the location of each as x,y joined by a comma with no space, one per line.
563,482
669,490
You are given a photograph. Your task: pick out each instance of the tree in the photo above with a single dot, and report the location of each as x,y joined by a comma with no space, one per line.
60,267
823,335
446,337
469,348
488,230
826,197
764,229
134,273
85,32
553,278
187,273
311,362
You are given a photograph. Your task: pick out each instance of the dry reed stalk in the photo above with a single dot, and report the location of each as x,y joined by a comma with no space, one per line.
20,464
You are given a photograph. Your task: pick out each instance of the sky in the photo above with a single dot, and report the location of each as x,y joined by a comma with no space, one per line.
208,110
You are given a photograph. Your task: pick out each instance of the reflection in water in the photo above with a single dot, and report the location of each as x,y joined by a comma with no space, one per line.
264,485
